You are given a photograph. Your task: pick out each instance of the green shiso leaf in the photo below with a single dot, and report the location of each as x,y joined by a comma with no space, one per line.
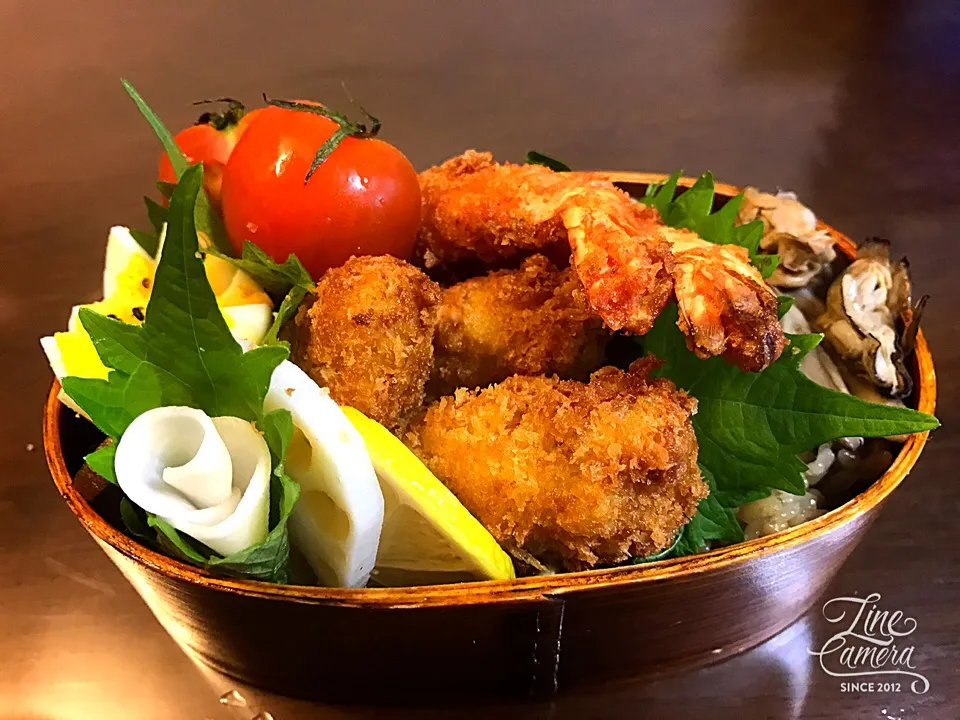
748,415
288,279
175,544
210,224
276,278
286,311
208,220
692,207
537,158
269,560
784,303
660,195
713,521
165,188
748,235
184,354
102,400
135,520
766,264
692,210
147,240
121,346
752,426
101,461
177,159
157,215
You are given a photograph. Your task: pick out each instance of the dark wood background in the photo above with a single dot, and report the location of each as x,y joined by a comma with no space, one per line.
852,104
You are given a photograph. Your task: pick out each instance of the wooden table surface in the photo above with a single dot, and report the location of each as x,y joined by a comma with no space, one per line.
853,104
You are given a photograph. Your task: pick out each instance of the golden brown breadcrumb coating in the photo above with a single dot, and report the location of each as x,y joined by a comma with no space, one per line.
531,321
726,307
576,474
474,209
621,258
628,261
368,336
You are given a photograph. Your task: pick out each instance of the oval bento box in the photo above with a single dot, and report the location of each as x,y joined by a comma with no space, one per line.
519,639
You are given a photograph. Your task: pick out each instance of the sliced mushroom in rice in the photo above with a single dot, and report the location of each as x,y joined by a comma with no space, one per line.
789,230
817,364
869,323
869,327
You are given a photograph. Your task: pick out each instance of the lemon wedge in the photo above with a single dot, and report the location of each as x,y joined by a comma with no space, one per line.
428,536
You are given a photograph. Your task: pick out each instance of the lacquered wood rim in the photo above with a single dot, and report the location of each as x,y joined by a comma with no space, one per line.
521,589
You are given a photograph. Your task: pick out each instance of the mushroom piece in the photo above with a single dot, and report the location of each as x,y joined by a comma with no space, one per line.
869,323
789,230
817,364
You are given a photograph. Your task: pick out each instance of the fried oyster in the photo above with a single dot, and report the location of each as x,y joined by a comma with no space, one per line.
575,474
368,336
531,321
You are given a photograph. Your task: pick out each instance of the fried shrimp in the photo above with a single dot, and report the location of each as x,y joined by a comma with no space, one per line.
627,260
368,336
531,321
477,210
726,307
474,209
621,259
575,474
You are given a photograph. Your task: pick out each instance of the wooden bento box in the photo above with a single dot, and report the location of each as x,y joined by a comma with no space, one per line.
519,639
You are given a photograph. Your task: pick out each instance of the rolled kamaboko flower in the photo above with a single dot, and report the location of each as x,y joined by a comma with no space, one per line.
207,477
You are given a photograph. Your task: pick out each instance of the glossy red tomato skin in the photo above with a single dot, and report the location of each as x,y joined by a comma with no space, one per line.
204,143
363,200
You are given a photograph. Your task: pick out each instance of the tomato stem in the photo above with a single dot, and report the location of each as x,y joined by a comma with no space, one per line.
222,120
324,150
347,127
374,121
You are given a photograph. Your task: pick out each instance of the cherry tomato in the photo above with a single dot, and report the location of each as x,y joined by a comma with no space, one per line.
210,141
364,199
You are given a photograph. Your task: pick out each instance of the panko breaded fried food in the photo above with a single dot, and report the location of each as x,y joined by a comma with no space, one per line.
726,307
576,474
621,258
368,336
531,321
629,263
477,210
